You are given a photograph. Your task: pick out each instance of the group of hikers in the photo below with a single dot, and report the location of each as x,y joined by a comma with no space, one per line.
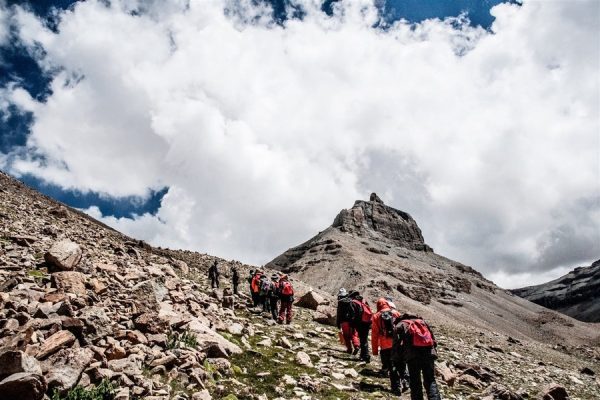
274,294
405,342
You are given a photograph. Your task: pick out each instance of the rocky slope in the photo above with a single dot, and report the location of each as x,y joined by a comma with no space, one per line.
85,308
576,294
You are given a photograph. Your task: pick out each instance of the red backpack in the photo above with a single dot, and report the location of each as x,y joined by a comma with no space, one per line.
366,315
420,333
286,288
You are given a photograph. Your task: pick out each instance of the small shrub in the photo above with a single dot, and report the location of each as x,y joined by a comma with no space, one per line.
186,339
105,390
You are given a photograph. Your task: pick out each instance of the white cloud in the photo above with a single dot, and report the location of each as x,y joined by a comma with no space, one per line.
264,132
4,24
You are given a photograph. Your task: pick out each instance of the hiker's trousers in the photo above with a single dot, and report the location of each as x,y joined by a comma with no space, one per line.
285,312
396,369
350,337
363,337
274,309
422,366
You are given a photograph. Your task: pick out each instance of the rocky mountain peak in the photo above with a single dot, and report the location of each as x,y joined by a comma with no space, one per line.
374,220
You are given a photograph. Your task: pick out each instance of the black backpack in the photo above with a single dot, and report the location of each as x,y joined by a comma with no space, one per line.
387,323
346,309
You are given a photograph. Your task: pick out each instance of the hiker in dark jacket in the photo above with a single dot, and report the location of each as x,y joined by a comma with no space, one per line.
273,296
414,343
213,275
286,297
362,323
235,279
344,322
264,288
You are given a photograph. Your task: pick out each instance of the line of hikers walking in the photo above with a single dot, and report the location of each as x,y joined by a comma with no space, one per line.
405,342
274,295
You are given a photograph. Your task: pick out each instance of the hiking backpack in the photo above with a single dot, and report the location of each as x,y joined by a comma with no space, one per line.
387,323
347,311
265,286
365,315
286,288
419,332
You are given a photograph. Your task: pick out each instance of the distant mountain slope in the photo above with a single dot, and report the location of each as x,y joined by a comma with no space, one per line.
576,294
380,251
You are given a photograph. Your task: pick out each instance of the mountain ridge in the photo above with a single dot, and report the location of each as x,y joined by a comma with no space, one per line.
576,294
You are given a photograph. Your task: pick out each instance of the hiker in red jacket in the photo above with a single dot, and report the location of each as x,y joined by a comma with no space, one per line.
415,343
362,323
344,322
286,297
382,337
255,287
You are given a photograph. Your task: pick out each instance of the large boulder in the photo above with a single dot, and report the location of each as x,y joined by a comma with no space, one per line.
64,255
207,338
325,315
555,392
13,362
69,282
311,300
146,296
23,385
64,368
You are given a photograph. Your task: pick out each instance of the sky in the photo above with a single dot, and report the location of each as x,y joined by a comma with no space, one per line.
241,128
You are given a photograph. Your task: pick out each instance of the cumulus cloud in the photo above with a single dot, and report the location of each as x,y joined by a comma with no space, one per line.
264,132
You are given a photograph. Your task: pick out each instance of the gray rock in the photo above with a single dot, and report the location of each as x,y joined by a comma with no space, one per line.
303,359
66,367
97,323
13,362
64,255
23,385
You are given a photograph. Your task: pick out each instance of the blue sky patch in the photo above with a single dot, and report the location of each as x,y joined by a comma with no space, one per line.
116,206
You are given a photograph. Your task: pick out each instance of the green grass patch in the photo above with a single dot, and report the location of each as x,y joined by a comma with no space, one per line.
36,273
105,390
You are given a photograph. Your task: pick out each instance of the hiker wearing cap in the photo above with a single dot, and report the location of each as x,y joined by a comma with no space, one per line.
286,297
415,344
255,287
362,318
213,275
344,322
390,302
273,296
382,336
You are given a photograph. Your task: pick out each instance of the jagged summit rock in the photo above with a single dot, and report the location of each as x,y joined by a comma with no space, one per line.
376,221
576,294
